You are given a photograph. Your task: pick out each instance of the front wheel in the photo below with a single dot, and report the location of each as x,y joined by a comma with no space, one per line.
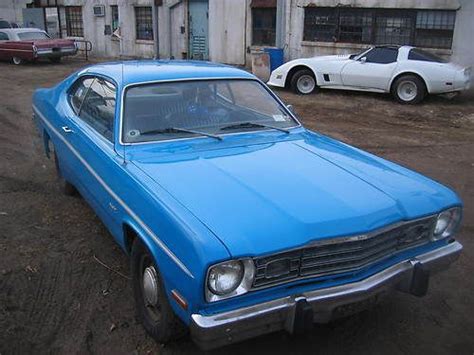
303,82
152,306
409,89
17,60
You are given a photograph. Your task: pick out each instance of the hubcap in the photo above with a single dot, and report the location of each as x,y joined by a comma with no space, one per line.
306,84
407,90
150,286
16,60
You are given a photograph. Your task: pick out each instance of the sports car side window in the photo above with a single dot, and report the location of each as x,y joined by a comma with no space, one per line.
3,36
98,107
382,55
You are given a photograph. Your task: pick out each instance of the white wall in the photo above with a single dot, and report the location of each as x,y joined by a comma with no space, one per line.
11,10
227,39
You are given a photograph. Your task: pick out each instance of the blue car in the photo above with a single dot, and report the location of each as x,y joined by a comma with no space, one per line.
237,219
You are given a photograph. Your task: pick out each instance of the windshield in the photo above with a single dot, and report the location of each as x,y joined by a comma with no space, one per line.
32,35
162,111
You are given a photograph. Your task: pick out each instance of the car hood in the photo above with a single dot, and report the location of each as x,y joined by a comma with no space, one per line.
276,195
339,57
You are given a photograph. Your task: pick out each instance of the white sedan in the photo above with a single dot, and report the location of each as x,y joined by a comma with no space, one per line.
408,73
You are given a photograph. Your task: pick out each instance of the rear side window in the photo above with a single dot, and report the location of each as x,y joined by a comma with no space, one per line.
98,107
78,92
3,36
419,54
382,55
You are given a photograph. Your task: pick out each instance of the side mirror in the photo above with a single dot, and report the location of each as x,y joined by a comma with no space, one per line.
291,108
363,60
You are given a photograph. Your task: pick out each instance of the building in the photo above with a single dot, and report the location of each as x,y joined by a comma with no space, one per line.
229,30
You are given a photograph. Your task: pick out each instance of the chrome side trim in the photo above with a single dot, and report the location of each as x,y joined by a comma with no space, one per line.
137,219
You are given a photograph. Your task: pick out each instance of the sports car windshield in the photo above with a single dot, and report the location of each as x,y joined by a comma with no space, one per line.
32,35
184,109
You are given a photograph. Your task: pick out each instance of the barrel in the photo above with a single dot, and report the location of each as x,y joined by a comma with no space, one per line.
276,57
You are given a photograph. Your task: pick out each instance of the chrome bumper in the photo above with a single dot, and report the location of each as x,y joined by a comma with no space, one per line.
319,306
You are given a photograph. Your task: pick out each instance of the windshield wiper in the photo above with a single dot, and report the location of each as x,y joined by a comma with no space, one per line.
250,124
180,130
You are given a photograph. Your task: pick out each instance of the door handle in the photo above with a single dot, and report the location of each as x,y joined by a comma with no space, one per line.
66,129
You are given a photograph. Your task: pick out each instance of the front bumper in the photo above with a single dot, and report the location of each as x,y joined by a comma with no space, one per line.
319,306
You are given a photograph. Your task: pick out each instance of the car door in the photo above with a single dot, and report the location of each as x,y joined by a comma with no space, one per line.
373,70
3,39
90,130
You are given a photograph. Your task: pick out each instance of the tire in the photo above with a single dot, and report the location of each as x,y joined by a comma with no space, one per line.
409,89
303,82
55,60
17,61
155,312
65,186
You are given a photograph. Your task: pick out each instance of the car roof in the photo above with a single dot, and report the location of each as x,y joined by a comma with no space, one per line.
19,30
143,71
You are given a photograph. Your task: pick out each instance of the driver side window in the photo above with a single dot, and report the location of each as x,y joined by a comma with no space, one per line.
381,55
93,100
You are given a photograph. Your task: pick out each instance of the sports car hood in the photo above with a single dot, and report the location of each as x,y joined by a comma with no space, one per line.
331,57
275,195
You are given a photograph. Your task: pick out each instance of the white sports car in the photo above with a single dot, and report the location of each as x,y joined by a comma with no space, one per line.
408,73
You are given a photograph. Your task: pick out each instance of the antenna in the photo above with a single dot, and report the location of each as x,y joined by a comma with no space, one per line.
121,113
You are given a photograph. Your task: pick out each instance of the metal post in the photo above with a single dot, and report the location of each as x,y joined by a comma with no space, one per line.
280,24
156,43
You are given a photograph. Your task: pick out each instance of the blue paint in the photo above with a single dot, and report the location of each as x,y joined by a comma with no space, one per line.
276,57
248,195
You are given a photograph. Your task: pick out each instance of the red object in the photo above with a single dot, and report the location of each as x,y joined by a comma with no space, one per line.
33,49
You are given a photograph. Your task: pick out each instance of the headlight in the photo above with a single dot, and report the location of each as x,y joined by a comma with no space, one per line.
228,279
447,223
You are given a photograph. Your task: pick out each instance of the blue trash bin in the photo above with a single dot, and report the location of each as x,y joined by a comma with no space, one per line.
276,56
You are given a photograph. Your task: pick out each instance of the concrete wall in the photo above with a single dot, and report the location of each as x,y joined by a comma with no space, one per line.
106,45
297,48
11,10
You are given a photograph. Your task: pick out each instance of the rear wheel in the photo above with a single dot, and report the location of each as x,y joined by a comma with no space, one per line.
409,89
55,60
17,60
303,82
65,186
152,306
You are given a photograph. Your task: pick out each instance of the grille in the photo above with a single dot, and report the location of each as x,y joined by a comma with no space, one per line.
342,255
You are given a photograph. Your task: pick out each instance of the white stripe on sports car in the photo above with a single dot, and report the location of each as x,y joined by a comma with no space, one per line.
158,241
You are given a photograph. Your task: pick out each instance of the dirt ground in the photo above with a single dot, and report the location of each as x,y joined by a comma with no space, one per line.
55,297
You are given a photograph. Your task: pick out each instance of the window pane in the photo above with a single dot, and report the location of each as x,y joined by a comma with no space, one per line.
394,29
98,109
144,22
78,92
355,26
320,24
115,17
435,28
382,55
74,25
419,54
263,26
202,105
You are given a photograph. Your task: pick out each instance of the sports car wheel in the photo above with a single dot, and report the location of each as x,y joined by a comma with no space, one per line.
152,306
303,82
17,61
409,89
65,186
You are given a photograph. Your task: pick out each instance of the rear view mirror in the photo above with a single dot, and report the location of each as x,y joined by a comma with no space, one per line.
291,108
363,60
